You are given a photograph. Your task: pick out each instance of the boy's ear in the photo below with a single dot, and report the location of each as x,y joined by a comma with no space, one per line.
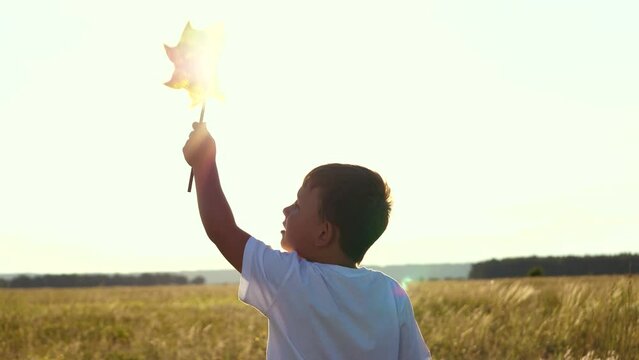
328,234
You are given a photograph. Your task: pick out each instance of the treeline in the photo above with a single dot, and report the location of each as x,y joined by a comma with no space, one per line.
87,280
556,266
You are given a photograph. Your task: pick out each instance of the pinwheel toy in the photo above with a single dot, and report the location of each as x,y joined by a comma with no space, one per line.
195,58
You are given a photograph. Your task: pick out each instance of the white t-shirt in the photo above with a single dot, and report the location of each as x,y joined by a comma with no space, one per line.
323,311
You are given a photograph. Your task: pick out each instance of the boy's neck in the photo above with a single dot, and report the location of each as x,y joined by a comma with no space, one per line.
341,260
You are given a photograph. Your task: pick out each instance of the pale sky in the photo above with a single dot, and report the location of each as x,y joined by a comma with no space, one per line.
504,128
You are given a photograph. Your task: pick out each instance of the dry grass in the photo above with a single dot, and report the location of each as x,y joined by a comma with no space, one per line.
542,318
173,322
533,318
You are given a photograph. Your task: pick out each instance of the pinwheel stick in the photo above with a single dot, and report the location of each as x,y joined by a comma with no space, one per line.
201,120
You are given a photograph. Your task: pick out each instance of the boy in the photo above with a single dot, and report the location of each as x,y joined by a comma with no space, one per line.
320,305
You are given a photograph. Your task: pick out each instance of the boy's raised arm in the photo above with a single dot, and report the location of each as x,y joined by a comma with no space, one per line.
215,212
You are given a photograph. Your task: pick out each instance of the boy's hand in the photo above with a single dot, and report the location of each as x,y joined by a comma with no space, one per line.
200,147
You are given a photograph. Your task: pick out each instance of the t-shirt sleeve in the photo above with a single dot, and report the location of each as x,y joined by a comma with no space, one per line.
411,342
264,271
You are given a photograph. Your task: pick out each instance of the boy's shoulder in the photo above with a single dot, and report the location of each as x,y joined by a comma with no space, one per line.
284,269
367,288
366,278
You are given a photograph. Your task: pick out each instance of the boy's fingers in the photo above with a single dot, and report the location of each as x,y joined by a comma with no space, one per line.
198,129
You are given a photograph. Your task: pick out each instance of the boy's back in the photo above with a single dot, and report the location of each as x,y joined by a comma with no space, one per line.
324,311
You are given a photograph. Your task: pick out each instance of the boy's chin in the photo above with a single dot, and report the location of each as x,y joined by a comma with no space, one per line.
285,245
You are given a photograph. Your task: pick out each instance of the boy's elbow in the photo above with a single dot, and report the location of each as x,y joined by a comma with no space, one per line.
221,235
230,242
217,229
215,236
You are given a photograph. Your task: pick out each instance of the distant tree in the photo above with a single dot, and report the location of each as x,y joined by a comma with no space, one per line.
557,266
86,280
3,283
198,280
536,271
22,281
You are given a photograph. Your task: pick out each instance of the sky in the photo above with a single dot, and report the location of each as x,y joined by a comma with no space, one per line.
504,128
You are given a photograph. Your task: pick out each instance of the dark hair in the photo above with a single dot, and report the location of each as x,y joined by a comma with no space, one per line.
356,200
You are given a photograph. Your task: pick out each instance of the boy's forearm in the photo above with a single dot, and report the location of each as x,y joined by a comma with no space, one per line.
217,216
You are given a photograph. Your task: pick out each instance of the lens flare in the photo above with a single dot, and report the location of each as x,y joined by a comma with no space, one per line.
405,282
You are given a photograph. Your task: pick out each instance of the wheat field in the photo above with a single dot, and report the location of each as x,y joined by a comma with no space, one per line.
529,318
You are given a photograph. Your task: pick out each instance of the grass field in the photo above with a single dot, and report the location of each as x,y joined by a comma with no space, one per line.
533,318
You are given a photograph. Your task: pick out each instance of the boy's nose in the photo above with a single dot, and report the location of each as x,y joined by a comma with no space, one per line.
288,209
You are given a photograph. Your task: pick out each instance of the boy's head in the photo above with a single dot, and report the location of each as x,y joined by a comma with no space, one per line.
347,204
